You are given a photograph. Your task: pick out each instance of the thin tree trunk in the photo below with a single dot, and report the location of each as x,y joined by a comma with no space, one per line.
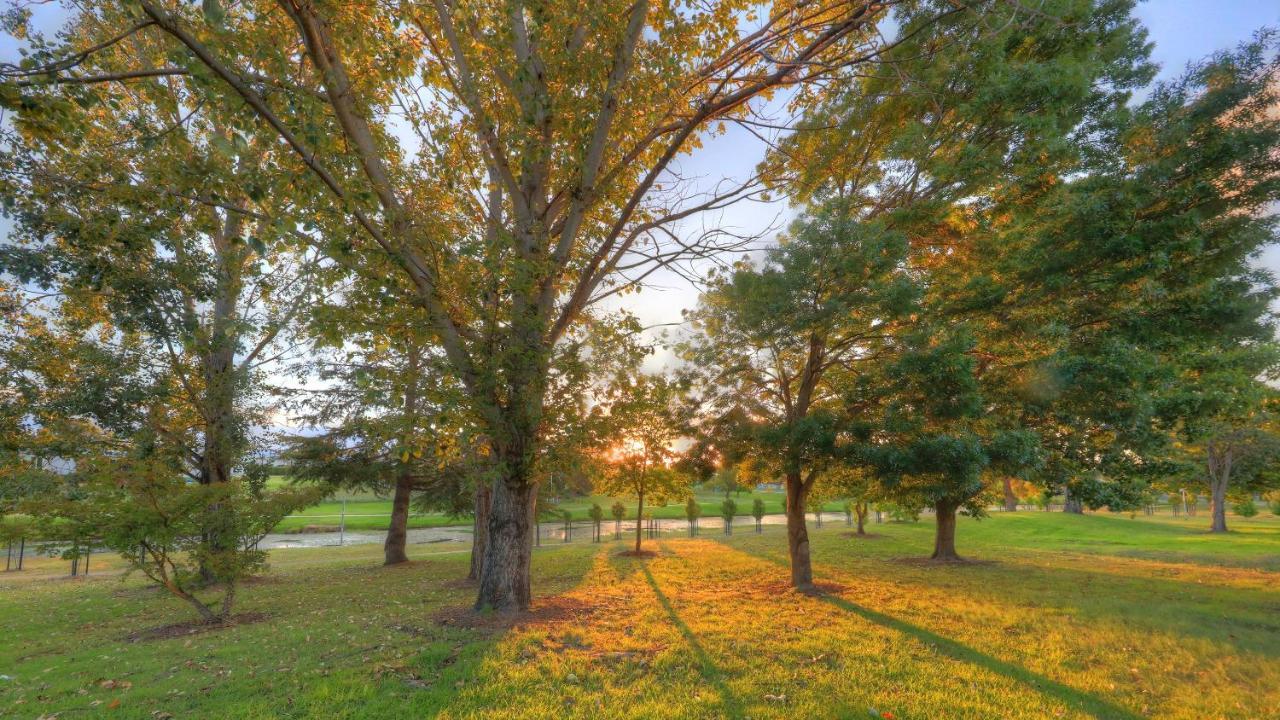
798,534
860,512
479,532
639,519
219,392
944,539
398,531
1010,499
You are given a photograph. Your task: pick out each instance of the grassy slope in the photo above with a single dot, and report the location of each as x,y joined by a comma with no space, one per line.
326,514
1078,617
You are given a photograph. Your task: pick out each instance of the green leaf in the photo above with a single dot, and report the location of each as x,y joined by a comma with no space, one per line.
214,14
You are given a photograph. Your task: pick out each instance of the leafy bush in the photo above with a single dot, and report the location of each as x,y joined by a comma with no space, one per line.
184,537
619,511
728,509
1275,507
900,512
1245,508
597,513
692,509
757,509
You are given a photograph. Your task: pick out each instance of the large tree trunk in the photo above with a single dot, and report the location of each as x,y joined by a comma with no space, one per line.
1010,499
514,433
860,511
1218,490
1071,503
798,534
398,531
1219,469
479,532
944,539
504,579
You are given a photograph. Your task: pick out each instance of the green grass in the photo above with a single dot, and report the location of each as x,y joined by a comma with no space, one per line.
1090,616
365,511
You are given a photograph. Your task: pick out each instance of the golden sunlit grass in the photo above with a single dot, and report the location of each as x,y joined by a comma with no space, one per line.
1165,622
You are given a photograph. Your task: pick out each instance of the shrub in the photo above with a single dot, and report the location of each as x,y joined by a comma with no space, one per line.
692,509
757,509
184,537
1245,508
1275,507
619,511
597,513
900,512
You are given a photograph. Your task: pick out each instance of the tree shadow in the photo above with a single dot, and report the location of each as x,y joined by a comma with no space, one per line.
1077,699
1116,589
707,668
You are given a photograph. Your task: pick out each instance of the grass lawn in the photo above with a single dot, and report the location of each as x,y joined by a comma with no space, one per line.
369,512
1066,617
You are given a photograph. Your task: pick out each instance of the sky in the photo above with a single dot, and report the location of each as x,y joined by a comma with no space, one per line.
1182,32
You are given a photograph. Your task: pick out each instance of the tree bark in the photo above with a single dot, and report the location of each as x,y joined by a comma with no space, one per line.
479,532
1219,468
1219,508
860,512
944,539
798,534
1071,503
639,519
504,579
398,531
1010,499
393,548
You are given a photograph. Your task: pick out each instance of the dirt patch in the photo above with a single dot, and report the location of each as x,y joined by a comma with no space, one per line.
774,589
406,565
955,562
643,554
461,583
545,611
184,629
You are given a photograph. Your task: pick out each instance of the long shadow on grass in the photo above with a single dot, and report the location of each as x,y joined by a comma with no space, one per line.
1108,591
706,666
1080,700
1077,699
